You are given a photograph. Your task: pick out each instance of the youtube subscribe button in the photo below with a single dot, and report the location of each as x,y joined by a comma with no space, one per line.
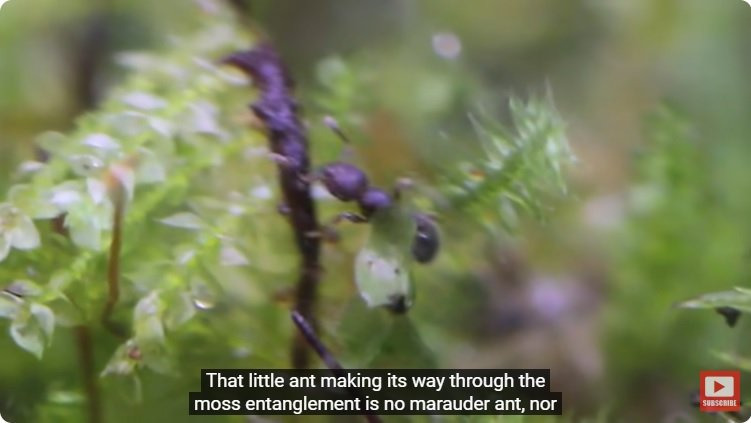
720,390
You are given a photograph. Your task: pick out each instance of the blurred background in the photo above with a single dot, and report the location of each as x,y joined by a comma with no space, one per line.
656,107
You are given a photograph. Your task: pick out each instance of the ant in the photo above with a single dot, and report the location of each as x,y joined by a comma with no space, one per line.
347,183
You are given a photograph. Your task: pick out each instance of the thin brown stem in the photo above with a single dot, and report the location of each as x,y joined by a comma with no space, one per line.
113,269
88,373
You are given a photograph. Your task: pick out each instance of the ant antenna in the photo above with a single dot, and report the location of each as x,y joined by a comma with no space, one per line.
310,336
333,124
402,185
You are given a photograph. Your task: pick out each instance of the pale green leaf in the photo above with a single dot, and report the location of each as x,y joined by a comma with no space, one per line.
45,319
4,246
122,362
742,363
136,60
201,118
9,305
184,253
32,203
85,232
150,168
737,298
97,189
24,234
50,141
66,398
24,288
157,359
231,256
100,141
65,196
383,279
330,70
59,281
161,126
27,334
180,310
147,320
262,192
184,220
66,314
85,164
143,100
382,266
129,124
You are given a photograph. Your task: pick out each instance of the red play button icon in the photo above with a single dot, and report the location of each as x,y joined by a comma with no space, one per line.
718,386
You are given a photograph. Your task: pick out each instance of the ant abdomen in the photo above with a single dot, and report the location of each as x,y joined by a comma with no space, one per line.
426,242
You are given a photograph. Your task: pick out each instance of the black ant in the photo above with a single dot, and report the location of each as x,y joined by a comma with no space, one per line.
347,182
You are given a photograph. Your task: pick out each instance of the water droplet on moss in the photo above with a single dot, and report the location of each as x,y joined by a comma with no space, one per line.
202,296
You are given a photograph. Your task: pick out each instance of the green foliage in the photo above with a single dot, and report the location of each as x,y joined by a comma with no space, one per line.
519,168
657,238
342,90
680,238
157,135
739,298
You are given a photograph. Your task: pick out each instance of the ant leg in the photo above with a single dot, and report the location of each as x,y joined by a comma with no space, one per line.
287,164
312,176
329,233
402,185
333,124
280,160
349,217
326,233
284,209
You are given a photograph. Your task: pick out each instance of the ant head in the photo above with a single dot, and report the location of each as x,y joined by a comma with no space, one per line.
374,199
344,181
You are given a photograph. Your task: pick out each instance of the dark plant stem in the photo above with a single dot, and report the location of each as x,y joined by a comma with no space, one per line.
309,334
278,109
88,373
113,269
90,56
